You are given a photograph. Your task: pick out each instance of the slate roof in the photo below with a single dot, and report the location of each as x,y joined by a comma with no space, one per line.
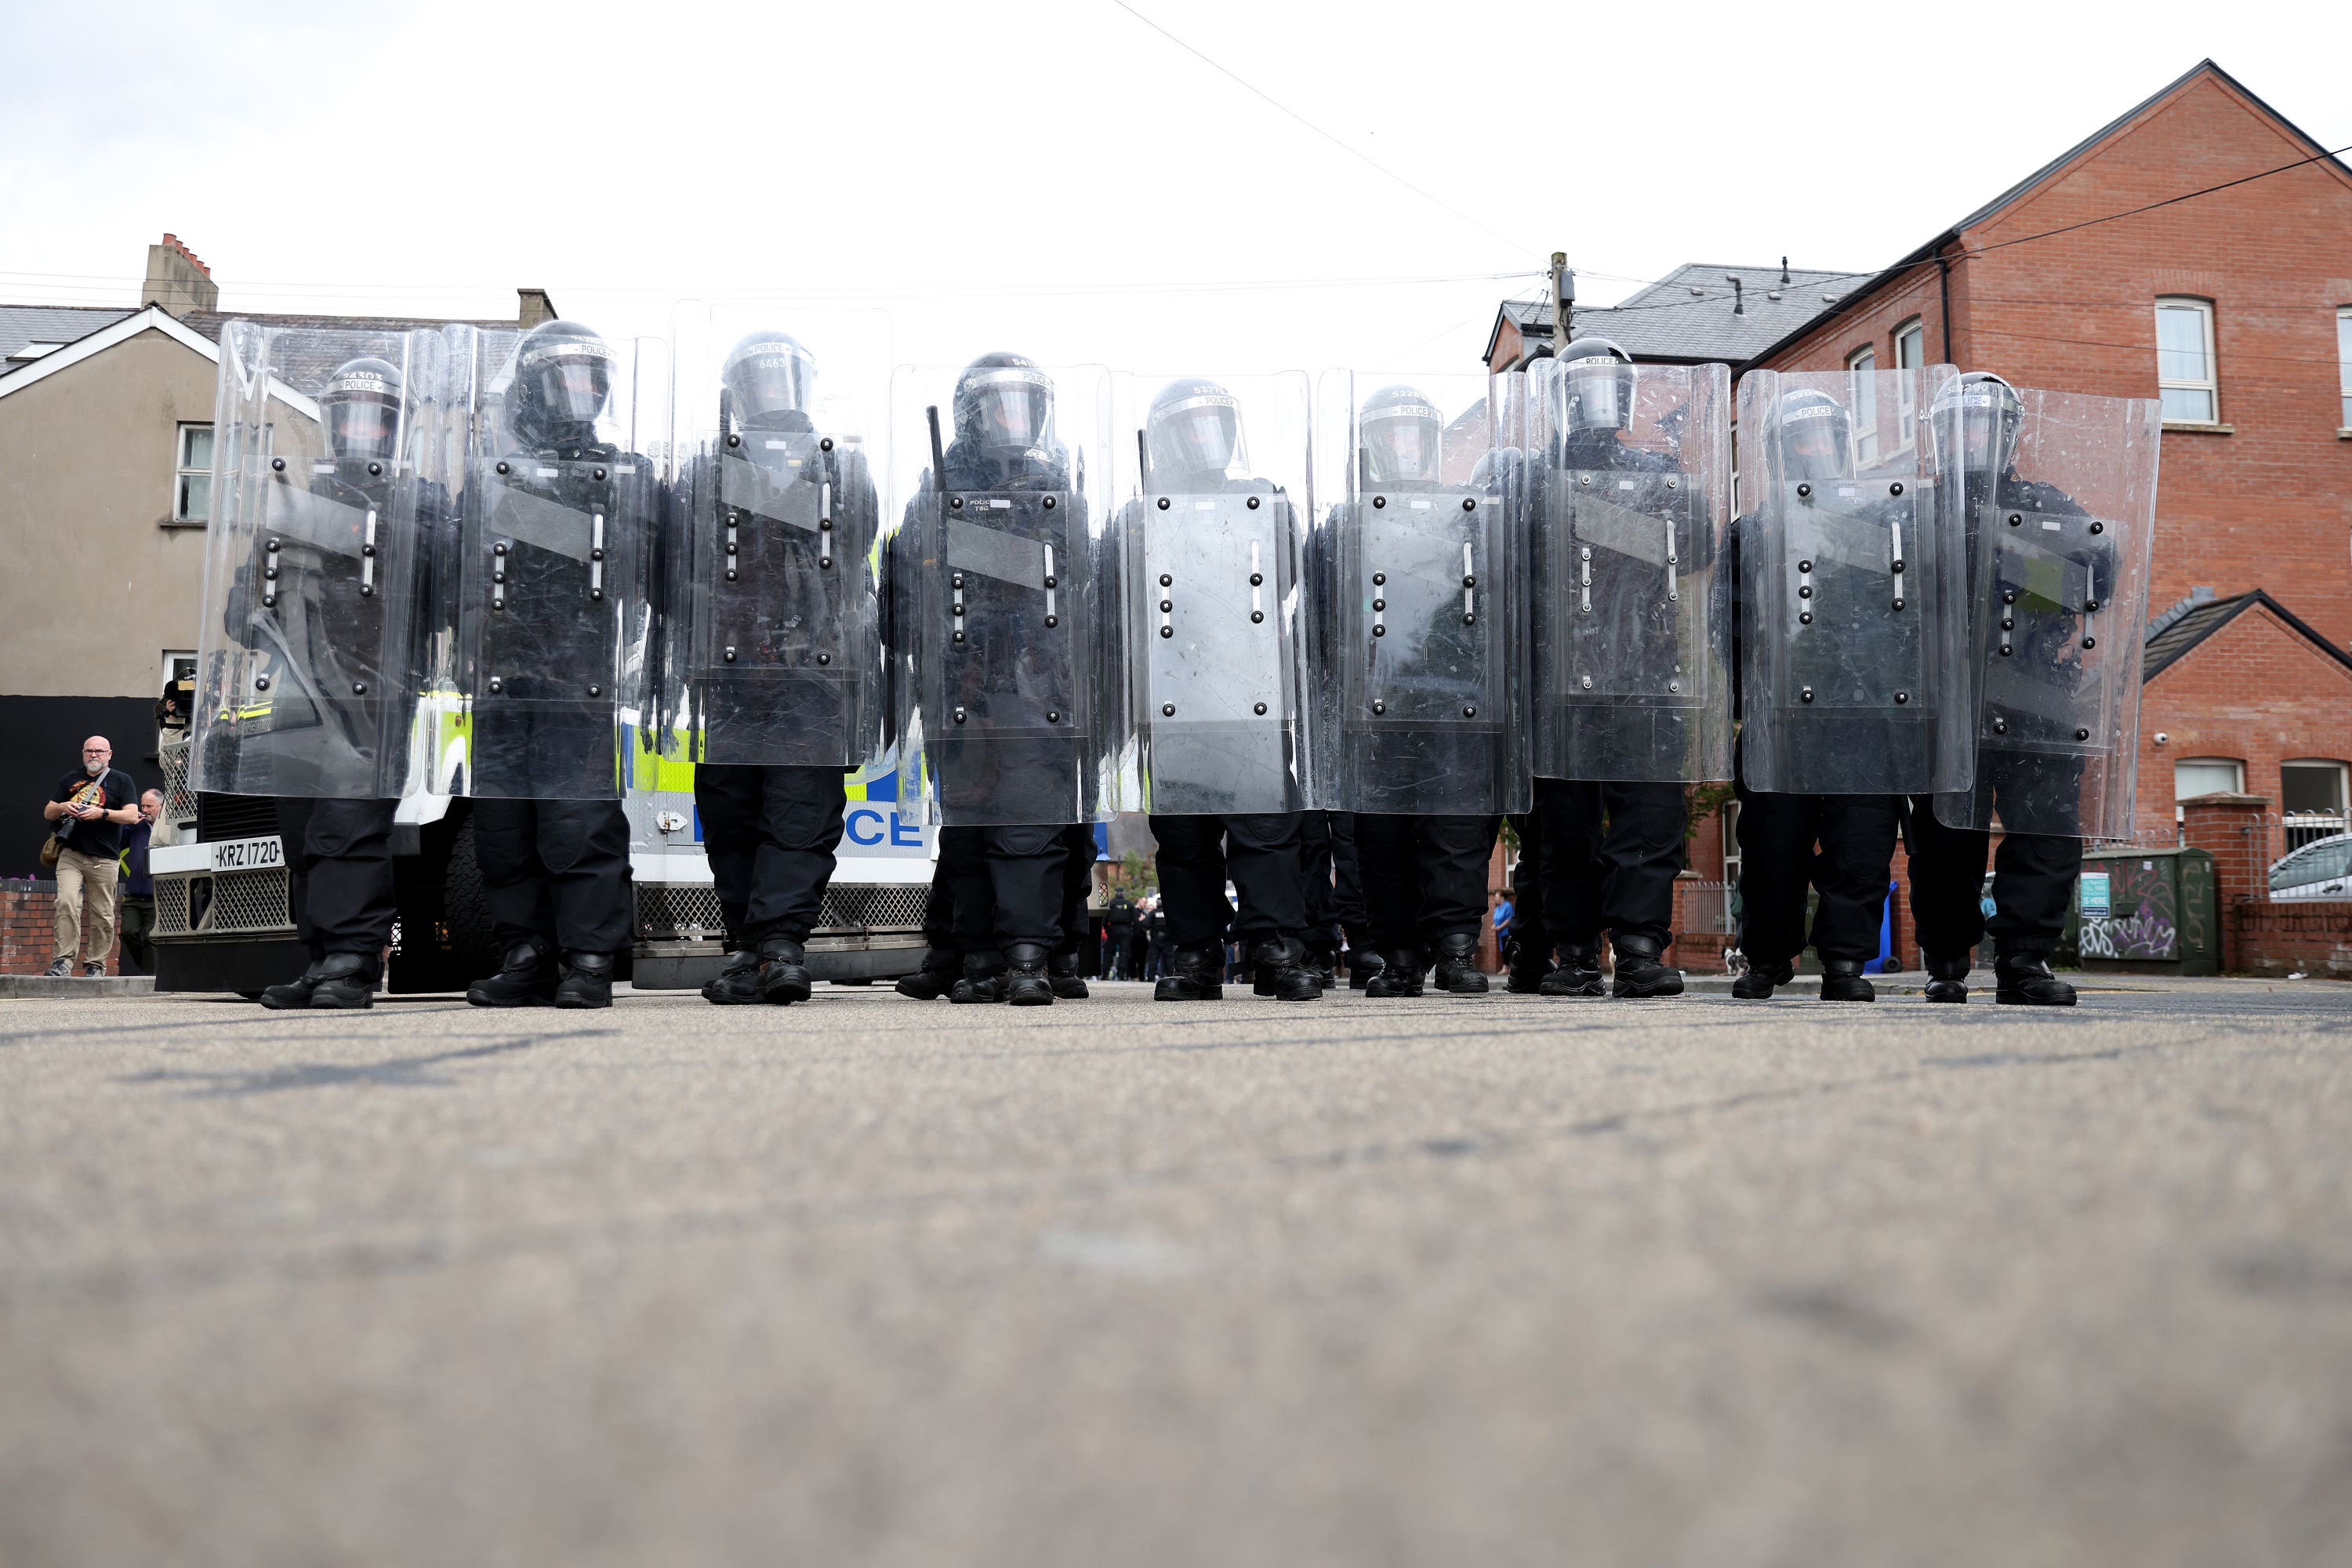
1688,316
60,324
2177,632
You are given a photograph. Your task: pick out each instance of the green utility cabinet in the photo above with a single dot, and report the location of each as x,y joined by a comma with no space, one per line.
2146,911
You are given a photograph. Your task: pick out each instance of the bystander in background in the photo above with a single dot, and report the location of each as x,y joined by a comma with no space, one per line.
87,812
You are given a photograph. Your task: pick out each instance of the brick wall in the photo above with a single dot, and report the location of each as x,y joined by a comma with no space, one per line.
28,932
2311,939
2234,829
2269,505
2255,692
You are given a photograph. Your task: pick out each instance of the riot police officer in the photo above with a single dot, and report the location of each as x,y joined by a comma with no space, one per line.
1977,419
1197,453
552,844
786,676
1778,830
1424,871
1608,852
1004,446
339,850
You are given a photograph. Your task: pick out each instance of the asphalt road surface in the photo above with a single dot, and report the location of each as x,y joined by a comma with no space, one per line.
1489,1280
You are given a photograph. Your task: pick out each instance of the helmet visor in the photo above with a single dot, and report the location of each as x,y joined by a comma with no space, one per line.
773,379
1201,436
570,390
1402,444
1013,407
1598,392
360,427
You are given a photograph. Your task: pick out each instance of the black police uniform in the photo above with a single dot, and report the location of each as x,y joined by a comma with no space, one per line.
2033,872
1779,832
1607,853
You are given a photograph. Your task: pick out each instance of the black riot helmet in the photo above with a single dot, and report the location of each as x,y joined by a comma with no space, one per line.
1816,436
1401,435
1003,401
361,409
1195,429
1597,378
768,378
1975,418
563,380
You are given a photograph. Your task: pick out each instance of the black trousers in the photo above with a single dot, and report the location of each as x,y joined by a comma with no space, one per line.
1424,877
2032,884
1778,861
556,871
938,909
1077,884
1528,935
1259,850
771,833
1333,875
1610,855
1008,884
339,871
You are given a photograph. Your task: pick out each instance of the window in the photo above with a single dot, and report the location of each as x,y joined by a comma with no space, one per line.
1910,353
2193,776
192,489
2343,361
2185,377
1861,365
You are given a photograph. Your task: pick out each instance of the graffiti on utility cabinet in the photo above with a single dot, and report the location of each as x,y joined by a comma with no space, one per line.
2135,918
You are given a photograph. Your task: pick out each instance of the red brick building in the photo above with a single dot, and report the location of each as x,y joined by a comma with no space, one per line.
2235,306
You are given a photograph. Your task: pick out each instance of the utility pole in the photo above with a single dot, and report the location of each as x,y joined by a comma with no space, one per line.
1563,301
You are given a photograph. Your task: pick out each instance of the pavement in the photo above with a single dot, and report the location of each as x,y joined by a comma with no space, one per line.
1488,1280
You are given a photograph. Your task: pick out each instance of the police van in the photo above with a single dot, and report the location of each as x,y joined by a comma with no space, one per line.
224,922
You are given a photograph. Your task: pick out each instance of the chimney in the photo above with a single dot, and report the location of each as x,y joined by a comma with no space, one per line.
177,281
536,307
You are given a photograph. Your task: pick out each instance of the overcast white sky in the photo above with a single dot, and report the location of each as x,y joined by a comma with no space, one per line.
1056,176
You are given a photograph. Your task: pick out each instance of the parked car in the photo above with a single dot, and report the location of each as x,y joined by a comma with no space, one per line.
2320,870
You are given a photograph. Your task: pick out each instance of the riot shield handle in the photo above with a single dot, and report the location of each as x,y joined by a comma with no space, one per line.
1143,461
938,456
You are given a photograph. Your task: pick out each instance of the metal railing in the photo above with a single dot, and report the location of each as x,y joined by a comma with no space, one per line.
179,800
2298,828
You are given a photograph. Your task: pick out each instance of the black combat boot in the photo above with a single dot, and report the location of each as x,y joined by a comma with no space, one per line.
1578,973
783,971
1062,974
1524,969
1194,974
738,981
1026,983
587,981
1757,982
1457,965
1281,970
345,980
935,979
525,979
1400,973
1947,978
2024,980
295,993
1841,981
1363,965
1323,964
1640,970
983,978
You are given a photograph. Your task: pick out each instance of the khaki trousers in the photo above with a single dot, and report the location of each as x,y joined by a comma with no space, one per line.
86,901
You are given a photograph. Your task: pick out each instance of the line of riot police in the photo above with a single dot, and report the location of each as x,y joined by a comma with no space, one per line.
1329,636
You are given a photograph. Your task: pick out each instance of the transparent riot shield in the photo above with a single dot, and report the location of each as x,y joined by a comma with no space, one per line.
1418,593
2060,511
999,577
1628,490
772,557
313,642
554,608
1212,635
1851,561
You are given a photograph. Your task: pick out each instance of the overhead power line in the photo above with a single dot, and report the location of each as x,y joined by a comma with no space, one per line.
1348,148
